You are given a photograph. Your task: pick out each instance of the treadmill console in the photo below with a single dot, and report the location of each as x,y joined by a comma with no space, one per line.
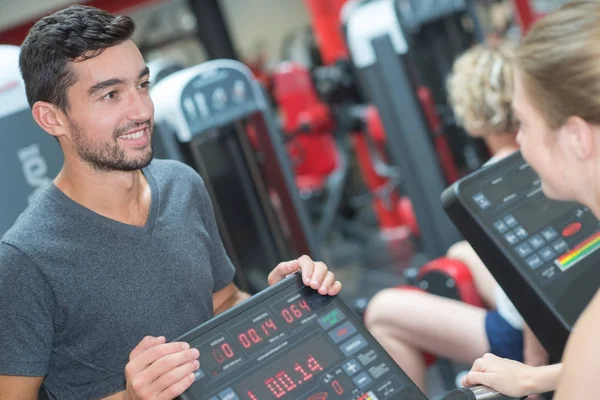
549,248
289,342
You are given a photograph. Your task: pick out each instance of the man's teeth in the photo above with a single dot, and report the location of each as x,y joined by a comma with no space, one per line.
136,135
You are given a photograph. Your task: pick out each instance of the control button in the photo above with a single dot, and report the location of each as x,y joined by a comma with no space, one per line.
342,332
331,319
198,375
362,380
549,234
547,253
536,242
228,394
560,246
190,108
521,233
534,262
482,201
549,273
511,238
500,226
524,250
219,98
510,221
571,229
239,91
353,345
351,367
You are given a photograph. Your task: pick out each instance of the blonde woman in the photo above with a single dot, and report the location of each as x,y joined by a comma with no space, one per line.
408,323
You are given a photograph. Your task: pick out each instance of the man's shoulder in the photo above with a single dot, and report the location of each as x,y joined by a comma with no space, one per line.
172,170
41,217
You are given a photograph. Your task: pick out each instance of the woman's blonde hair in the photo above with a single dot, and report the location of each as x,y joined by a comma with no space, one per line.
560,63
480,88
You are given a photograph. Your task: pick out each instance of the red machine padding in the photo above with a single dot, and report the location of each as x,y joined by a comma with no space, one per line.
407,215
326,24
461,275
308,123
441,143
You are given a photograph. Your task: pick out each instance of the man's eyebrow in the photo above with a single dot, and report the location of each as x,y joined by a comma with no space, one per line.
144,72
103,85
115,81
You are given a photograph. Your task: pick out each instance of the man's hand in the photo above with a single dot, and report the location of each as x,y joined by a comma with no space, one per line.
159,370
314,274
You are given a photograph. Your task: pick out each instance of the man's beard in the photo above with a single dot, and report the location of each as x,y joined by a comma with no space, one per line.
108,157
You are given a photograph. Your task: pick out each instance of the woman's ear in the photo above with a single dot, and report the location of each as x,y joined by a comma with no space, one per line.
579,136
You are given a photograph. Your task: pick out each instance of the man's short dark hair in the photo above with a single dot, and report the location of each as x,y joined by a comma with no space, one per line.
76,33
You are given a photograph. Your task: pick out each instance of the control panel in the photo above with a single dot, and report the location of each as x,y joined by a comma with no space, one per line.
289,342
538,247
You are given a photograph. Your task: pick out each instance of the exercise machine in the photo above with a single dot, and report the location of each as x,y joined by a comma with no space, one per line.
29,157
543,253
216,118
289,342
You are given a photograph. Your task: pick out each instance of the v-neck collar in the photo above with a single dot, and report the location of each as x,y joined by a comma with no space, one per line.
145,230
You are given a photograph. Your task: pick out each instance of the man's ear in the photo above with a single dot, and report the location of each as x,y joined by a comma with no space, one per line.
50,118
580,137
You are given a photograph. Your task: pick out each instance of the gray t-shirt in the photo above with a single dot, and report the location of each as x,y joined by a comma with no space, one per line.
78,291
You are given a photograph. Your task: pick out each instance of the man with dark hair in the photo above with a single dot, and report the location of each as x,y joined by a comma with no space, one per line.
120,254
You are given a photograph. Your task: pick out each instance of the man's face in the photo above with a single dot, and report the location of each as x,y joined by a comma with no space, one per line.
110,110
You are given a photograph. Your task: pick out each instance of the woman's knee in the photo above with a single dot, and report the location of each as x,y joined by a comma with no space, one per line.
460,251
388,306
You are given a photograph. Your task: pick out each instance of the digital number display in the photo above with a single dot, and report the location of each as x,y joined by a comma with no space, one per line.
217,355
257,332
295,372
294,311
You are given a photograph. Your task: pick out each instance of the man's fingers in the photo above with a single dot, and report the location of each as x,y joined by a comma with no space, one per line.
319,273
335,288
174,375
177,388
149,356
146,343
282,270
307,265
327,282
168,363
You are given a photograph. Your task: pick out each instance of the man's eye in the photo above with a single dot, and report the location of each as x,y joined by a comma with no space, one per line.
111,95
145,85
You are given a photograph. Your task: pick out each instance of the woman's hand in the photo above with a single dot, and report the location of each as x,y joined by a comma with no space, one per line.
508,377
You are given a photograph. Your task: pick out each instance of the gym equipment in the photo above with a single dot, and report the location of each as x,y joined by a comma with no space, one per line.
289,342
29,157
215,117
160,68
542,252
380,54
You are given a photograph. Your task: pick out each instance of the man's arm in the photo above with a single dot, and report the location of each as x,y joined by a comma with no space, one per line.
228,297
20,387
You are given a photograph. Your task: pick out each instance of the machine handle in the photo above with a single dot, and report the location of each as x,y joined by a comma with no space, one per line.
475,393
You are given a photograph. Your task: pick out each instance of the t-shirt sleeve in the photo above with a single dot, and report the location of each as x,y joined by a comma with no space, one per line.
222,267
26,310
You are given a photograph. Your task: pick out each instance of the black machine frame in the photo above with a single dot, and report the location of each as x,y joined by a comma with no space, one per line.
220,100
548,323
381,55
